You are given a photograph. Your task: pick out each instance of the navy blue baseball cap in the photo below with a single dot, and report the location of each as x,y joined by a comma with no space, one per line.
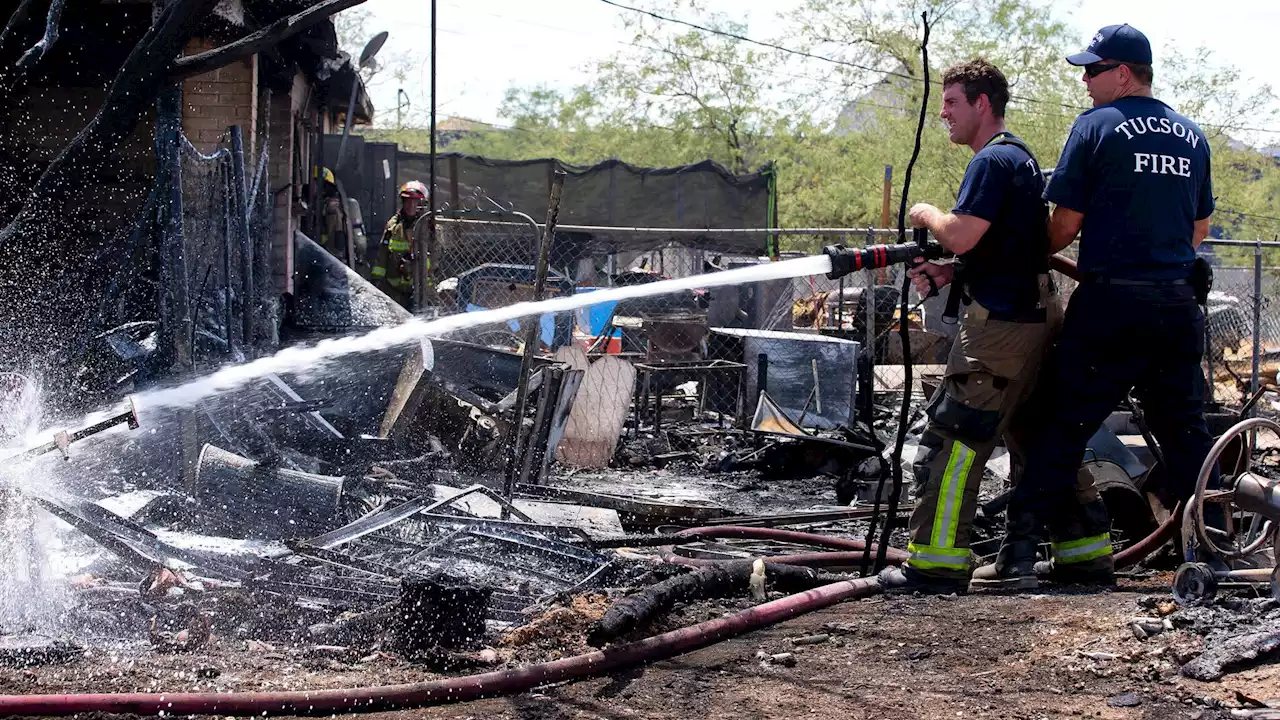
1122,43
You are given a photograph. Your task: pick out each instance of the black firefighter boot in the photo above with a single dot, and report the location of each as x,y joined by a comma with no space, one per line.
906,579
1082,549
1015,564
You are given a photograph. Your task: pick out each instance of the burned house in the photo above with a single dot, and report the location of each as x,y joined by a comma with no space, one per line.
117,221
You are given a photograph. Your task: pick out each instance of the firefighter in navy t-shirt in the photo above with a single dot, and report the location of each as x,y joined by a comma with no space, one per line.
1134,182
998,230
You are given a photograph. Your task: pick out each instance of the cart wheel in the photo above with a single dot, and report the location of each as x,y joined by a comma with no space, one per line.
1251,535
1195,584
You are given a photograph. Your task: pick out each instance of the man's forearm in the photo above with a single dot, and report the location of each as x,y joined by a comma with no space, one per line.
1199,232
957,233
1064,225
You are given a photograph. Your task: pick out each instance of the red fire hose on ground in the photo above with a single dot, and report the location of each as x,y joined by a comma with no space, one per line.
450,690
1139,551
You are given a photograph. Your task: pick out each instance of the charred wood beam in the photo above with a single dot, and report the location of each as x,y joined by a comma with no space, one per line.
134,89
256,42
37,51
722,580
16,19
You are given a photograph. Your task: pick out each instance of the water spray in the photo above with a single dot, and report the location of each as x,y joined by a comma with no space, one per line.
309,359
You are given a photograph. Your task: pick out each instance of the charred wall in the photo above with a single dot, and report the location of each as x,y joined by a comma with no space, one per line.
53,284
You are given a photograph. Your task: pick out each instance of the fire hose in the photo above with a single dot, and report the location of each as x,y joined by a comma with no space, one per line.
895,556
450,690
507,682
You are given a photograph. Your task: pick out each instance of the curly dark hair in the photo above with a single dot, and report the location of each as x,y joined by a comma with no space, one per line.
979,77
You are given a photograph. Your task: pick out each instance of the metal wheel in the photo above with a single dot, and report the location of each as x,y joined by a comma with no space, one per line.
1254,530
1195,584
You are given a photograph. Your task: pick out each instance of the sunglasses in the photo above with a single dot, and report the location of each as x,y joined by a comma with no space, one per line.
1095,69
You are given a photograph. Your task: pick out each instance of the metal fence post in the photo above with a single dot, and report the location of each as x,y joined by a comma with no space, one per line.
1208,359
241,217
532,331
869,292
1257,316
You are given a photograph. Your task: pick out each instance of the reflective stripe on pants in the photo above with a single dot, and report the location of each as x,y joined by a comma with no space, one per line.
929,557
947,515
1082,550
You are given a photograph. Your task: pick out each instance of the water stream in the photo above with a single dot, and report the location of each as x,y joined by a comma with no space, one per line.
316,359
31,599
311,359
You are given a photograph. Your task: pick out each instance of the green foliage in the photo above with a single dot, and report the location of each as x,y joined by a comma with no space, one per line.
681,95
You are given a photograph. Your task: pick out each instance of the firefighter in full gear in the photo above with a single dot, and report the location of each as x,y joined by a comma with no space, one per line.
333,236
998,232
393,268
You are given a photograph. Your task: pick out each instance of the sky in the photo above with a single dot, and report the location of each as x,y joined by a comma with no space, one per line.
489,46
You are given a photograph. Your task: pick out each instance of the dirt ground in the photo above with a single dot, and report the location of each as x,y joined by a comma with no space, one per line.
1049,655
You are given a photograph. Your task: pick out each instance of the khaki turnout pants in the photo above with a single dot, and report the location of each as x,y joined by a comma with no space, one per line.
990,373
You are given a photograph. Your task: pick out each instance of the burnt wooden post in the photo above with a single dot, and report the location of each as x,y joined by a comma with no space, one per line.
532,328
175,305
224,174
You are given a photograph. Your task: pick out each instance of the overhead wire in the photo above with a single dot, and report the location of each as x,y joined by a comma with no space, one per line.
1255,216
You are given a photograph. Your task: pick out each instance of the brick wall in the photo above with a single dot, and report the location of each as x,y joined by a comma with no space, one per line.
217,100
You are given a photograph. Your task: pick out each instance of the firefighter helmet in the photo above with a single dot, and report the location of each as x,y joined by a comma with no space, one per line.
413,189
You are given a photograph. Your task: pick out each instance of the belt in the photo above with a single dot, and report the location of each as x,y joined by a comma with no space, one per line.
1141,283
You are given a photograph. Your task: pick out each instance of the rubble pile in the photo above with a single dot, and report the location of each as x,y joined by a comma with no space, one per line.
407,512
1210,641
377,512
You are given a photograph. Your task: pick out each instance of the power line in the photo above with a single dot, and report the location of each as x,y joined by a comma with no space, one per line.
1255,216
802,53
768,72
744,38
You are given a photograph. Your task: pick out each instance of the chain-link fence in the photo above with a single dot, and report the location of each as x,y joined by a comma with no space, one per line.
1243,337
226,233
783,350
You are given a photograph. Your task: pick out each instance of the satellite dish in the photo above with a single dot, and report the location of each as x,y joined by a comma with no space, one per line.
372,47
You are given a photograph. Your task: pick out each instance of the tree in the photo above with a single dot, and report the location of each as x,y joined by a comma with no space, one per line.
354,28
680,95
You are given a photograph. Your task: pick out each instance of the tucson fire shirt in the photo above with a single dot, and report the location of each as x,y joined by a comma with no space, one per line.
1139,172
1002,185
